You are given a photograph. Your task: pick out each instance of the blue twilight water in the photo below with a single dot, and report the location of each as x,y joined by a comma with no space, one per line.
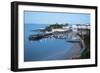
44,49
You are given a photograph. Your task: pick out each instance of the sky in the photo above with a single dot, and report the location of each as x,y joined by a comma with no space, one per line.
31,17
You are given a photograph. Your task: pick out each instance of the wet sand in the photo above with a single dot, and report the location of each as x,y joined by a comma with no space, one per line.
75,51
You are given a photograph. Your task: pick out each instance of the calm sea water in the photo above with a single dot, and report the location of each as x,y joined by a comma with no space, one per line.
44,49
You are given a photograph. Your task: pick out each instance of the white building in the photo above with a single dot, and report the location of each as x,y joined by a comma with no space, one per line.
80,26
83,26
59,30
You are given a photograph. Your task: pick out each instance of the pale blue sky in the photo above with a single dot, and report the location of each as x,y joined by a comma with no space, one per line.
53,17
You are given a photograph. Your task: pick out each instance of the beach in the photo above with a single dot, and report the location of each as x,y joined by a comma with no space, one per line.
74,52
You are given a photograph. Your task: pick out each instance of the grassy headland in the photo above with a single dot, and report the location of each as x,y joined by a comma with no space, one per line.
55,26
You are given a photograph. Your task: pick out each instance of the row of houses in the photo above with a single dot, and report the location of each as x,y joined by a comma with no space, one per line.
74,27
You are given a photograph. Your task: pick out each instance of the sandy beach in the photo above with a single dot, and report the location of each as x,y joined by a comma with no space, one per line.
75,51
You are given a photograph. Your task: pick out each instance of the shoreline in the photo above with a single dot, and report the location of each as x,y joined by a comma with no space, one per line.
75,52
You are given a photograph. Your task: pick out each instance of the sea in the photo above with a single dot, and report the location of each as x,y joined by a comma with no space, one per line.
45,49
